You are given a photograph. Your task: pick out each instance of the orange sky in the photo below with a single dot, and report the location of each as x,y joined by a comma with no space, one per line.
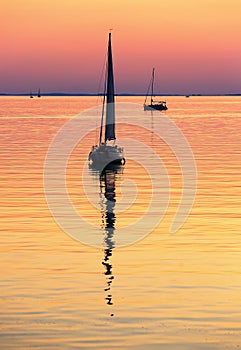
59,45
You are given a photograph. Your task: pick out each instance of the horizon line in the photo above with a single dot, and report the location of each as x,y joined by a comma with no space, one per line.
118,94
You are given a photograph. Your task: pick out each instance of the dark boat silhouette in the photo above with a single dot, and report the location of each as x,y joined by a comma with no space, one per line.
158,105
107,151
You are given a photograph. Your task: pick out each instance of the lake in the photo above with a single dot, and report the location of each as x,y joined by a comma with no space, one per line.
102,267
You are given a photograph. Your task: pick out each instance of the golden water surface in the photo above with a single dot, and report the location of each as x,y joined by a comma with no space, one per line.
167,291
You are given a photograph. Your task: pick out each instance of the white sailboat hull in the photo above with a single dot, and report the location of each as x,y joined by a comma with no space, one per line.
103,155
161,106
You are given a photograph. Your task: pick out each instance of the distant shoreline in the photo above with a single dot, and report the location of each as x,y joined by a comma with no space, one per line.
86,94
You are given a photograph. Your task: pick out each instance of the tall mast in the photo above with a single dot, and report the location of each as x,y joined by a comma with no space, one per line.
110,96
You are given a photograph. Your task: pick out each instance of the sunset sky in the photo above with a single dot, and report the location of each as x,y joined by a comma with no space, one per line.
60,45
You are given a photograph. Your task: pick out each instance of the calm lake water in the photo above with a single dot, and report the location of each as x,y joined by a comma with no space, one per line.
160,290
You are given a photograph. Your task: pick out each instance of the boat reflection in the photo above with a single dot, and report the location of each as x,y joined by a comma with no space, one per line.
108,179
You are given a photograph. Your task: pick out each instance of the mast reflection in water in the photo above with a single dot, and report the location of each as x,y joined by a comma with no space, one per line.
108,200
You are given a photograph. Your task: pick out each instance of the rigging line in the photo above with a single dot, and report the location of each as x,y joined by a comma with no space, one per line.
149,86
103,105
96,131
101,76
99,94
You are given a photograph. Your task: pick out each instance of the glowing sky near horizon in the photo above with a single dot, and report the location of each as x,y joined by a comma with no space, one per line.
57,45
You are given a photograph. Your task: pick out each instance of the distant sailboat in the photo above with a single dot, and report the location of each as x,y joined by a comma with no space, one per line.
30,94
159,105
39,94
107,151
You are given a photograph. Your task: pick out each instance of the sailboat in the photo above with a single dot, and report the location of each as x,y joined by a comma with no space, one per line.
39,94
30,94
159,105
106,151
